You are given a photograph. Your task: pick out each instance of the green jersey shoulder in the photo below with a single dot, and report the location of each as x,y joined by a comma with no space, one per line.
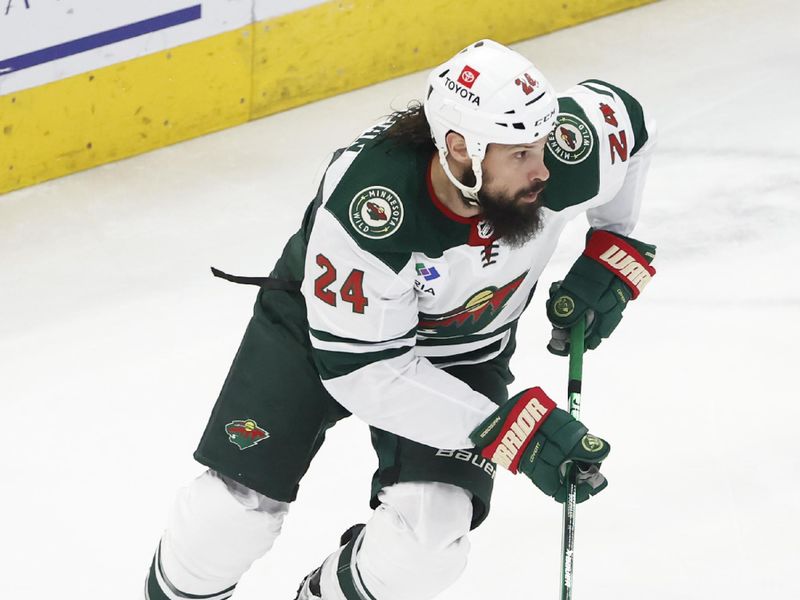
598,128
380,195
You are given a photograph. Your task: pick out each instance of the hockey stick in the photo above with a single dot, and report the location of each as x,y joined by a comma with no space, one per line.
576,350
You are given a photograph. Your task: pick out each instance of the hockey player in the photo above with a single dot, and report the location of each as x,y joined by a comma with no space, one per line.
397,301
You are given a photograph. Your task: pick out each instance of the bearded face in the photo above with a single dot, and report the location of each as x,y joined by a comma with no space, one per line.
515,217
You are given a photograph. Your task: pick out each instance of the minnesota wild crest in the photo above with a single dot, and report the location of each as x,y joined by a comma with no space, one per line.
245,433
376,212
571,140
476,313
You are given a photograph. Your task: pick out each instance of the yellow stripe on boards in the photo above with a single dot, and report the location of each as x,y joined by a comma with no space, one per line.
343,45
125,109
263,68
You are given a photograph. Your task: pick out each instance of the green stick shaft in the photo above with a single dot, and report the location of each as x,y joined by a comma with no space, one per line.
576,350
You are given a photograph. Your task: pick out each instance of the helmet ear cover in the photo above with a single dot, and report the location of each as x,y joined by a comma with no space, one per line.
504,100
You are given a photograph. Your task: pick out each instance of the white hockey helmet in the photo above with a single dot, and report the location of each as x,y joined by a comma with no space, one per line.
489,94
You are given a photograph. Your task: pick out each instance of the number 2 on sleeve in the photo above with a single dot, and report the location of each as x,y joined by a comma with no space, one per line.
352,290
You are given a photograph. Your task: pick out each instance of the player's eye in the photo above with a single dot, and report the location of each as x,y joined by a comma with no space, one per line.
521,154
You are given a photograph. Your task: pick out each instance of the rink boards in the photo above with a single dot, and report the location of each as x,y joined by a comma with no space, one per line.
82,84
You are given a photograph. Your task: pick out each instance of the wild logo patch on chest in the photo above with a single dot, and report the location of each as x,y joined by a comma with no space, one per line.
474,314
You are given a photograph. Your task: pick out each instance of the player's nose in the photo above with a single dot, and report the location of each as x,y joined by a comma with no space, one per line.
539,171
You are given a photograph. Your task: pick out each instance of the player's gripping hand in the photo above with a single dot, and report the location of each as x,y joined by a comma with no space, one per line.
612,270
529,434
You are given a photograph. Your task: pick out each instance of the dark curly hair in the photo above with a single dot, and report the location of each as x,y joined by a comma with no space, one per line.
411,128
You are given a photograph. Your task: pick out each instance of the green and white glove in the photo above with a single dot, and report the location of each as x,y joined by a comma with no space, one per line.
612,270
530,434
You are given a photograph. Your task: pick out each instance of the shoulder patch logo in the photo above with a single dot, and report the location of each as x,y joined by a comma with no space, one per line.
245,433
376,212
571,141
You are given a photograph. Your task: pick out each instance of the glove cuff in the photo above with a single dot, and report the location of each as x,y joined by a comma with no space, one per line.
621,258
510,429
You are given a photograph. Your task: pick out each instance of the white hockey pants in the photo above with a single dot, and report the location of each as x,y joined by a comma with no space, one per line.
215,530
414,546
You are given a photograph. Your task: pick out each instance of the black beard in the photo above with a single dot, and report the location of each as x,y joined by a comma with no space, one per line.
514,221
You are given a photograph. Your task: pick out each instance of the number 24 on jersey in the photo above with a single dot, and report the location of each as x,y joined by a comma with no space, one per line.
352,290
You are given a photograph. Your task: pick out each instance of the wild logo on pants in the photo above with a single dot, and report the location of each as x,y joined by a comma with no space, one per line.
245,433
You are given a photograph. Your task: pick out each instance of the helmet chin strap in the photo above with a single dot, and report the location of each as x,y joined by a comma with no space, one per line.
470,193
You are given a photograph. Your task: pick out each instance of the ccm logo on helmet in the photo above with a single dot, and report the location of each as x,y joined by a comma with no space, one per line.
462,91
545,119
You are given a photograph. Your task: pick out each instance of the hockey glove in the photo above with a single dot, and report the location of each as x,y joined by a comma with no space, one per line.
612,270
529,434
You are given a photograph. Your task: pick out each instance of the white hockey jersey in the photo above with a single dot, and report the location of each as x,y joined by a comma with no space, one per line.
397,286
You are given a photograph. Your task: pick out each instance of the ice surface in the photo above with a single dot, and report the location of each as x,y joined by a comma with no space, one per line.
115,339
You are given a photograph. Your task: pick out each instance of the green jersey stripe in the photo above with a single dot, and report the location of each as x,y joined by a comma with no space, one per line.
448,341
324,336
598,90
332,364
361,348
477,355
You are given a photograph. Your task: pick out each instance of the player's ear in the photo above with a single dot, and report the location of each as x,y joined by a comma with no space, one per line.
457,148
